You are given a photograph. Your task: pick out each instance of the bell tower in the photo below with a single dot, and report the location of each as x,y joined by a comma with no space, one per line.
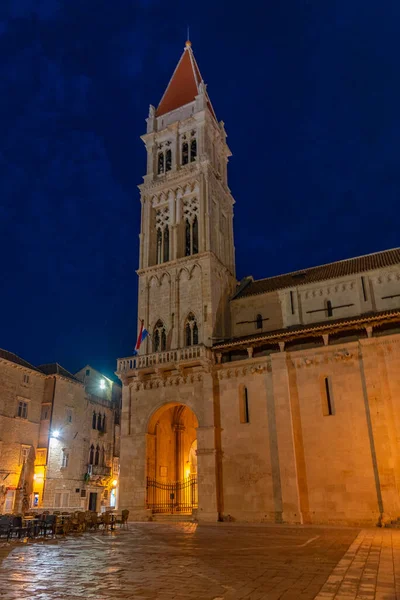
187,264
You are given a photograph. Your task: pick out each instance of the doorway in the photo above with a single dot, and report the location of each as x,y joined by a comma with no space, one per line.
171,460
93,501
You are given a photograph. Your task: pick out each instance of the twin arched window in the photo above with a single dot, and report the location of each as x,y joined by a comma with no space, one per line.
191,331
99,421
191,236
162,245
159,337
97,456
164,162
189,148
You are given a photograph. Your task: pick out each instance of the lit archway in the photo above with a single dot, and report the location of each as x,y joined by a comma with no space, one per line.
171,459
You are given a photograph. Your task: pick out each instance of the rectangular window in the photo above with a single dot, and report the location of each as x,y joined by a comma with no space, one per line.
205,313
64,458
9,501
83,493
22,409
87,372
329,308
327,404
24,454
26,378
364,289
40,457
244,404
291,303
45,415
68,415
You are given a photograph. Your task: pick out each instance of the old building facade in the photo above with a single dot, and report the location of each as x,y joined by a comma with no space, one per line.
52,452
273,400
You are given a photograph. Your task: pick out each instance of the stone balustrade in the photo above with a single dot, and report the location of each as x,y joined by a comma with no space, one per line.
156,359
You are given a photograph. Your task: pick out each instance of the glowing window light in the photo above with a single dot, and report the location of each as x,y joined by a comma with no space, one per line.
102,384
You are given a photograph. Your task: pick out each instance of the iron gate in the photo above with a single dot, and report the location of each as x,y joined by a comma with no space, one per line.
172,497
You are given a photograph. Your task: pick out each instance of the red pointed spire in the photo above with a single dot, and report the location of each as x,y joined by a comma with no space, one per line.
184,84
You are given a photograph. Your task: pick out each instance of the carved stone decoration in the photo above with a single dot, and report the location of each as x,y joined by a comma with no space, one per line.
343,355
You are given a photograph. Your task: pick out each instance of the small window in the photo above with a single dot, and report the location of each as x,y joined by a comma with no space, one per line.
259,321
329,308
168,160
327,404
68,415
94,421
185,153
64,458
45,415
87,372
97,456
26,378
91,455
205,313
25,450
244,404
104,423
191,331
291,303
193,150
22,410
83,493
99,422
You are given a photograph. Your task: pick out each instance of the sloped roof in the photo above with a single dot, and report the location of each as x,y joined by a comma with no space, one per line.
350,266
184,84
56,369
289,333
11,357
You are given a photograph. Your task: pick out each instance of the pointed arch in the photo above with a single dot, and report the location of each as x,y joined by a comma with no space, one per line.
159,337
91,455
97,455
191,330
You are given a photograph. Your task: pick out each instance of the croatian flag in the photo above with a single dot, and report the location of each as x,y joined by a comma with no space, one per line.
143,333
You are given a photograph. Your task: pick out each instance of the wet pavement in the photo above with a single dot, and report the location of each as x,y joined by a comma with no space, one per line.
206,562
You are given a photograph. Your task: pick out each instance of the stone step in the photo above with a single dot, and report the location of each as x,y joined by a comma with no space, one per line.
172,518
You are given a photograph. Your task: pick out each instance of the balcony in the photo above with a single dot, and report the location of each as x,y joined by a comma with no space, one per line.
98,470
191,355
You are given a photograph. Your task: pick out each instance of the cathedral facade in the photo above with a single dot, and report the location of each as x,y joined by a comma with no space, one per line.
273,400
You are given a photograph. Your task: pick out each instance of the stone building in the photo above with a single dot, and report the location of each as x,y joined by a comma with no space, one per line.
53,454
273,400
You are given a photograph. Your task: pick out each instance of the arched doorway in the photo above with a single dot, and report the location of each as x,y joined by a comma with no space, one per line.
171,483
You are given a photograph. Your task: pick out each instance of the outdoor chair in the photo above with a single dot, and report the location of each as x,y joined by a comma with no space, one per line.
5,526
123,519
17,528
107,521
48,524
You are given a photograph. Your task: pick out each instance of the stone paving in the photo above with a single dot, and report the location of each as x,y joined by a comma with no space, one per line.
207,562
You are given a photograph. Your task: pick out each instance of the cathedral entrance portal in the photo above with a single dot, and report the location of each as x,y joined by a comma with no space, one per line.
171,485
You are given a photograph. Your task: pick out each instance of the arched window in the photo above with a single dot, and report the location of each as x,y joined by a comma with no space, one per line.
195,236
159,337
191,236
185,153
160,168
166,244
191,331
159,246
104,423
94,420
99,422
259,321
101,459
168,160
97,455
91,455
193,150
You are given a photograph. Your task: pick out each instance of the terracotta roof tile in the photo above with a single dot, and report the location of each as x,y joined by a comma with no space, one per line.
351,266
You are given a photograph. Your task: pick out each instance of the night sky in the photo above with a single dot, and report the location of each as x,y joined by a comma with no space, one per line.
308,90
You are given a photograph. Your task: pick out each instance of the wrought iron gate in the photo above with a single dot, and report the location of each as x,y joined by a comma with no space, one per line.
169,498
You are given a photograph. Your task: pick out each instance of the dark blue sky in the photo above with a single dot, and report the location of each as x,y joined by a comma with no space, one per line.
310,95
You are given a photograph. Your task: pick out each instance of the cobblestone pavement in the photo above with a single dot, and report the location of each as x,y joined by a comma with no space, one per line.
207,562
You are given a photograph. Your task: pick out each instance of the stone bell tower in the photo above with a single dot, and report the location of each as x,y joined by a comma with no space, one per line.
187,263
